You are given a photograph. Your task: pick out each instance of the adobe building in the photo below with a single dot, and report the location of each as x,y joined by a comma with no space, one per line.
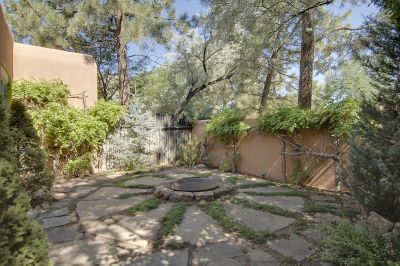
27,62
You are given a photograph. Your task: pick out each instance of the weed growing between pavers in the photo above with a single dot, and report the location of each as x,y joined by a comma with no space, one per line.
235,178
145,206
217,212
177,245
313,207
284,193
254,185
128,195
173,218
120,183
262,207
301,224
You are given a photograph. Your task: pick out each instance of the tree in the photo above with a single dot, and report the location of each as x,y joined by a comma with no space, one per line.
31,159
22,241
375,150
102,29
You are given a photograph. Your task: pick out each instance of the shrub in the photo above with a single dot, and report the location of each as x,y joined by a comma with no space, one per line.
31,159
348,244
338,117
80,166
189,154
22,241
227,126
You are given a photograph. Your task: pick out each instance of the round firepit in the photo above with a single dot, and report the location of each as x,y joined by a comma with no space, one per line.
193,188
193,184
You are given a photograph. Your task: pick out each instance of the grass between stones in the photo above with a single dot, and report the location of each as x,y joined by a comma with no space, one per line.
285,193
145,206
313,207
120,183
254,185
173,218
301,224
177,245
128,195
235,178
217,212
263,207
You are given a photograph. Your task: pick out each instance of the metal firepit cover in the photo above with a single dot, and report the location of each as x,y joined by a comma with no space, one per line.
193,184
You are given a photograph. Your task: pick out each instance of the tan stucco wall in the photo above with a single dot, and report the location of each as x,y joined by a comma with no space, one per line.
6,45
260,155
78,71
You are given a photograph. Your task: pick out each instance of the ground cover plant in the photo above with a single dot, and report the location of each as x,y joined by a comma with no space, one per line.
173,218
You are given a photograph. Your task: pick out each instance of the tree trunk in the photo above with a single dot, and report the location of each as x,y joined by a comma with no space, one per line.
268,81
306,61
182,106
122,65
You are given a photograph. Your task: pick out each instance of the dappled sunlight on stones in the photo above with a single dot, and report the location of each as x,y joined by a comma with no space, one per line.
226,253
293,247
114,192
257,220
290,203
146,180
161,258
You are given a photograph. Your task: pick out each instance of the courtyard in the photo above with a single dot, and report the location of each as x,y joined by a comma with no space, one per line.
114,219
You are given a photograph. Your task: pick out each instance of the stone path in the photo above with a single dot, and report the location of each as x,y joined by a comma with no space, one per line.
86,224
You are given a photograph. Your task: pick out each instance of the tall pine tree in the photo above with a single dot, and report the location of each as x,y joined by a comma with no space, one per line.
22,241
375,153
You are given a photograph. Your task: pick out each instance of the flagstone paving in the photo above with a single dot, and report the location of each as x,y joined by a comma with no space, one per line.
86,224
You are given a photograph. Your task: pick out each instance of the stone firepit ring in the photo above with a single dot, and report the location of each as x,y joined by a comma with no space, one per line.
192,188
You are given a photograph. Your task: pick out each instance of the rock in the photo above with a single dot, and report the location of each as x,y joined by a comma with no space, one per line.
33,213
379,223
200,166
257,220
396,230
293,247
221,191
199,229
328,218
38,194
45,206
63,234
290,203
82,191
93,210
179,196
146,180
114,192
262,258
55,213
163,257
226,253
55,221
205,195
59,196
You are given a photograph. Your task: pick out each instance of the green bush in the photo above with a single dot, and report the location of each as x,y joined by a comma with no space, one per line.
338,117
80,166
227,126
31,159
348,244
189,154
22,241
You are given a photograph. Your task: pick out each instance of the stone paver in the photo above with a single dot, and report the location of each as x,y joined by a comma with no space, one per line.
84,252
55,213
114,192
226,253
63,234
258,220
327,218
293,247
271,189
262,258
290,203
82,191
93,210
55,221
315,234
198,228
146,180
163,257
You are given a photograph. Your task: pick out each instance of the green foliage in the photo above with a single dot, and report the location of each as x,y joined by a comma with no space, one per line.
79,166
37,94
233,179
227,126
177,245
173,218
128,195
31,159
189,154
66,133
313,207
375,149
353,245
144,206
283,193
263,207
22,241
217,212
338,117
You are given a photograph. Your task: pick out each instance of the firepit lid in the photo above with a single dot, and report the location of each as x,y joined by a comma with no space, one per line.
193,184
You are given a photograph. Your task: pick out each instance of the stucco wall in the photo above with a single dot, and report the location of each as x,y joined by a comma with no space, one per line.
260,155
6,45
78,71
